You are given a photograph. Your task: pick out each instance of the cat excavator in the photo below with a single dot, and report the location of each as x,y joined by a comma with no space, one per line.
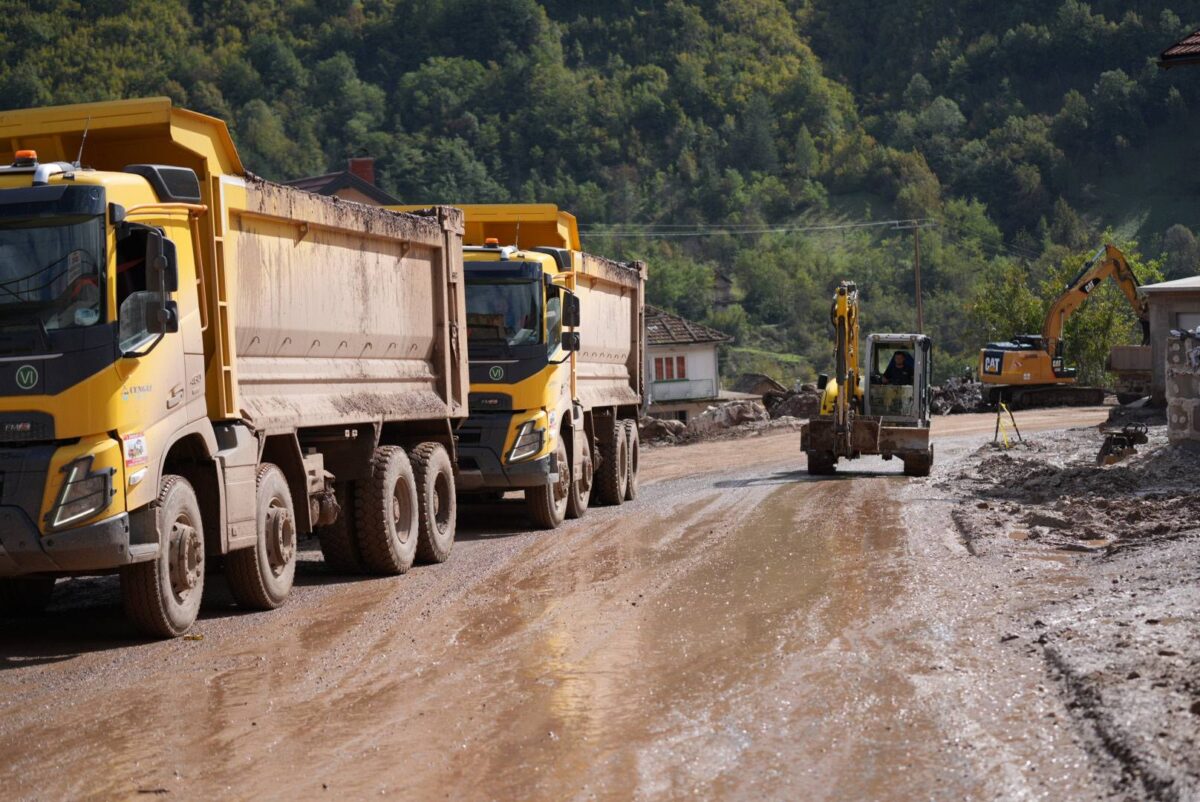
1030,371
879,405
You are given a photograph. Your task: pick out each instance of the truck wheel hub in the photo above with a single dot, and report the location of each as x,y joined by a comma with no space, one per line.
281,538
186,558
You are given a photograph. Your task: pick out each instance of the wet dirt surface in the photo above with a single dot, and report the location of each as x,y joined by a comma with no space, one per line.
740,631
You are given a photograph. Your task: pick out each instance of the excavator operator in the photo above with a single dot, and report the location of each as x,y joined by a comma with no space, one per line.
900,369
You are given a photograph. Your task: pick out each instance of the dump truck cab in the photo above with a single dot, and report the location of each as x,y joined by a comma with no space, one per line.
98,306
520,317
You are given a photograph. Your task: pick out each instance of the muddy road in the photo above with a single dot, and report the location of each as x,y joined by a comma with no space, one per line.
740,631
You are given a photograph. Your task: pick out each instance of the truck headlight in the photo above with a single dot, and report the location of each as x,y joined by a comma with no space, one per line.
529,442
83,493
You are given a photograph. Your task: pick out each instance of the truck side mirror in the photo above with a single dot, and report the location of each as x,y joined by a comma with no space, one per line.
163,318
570,315
161,261
570,340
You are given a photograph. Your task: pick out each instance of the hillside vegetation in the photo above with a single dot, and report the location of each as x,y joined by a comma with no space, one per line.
737,145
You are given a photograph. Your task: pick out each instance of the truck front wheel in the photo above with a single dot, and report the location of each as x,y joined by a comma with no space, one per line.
386,513
547,503
437,507
613,475
162,596
25,595
261,577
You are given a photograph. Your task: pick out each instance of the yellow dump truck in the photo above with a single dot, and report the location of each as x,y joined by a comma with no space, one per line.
198,367
556,350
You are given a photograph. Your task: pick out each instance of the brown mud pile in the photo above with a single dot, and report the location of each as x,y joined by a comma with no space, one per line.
1123,644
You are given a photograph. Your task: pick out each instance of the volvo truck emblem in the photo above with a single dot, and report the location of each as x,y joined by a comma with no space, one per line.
27,377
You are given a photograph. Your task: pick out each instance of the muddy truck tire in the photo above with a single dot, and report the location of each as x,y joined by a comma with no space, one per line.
821,463
339,541
386,513
261,577
162,596
25,595
437,503
631,459
547,504
581,486
612,476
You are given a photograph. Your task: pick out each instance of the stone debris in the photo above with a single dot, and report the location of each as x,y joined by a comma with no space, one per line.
804,403
661,430
724,421
727,416
956,396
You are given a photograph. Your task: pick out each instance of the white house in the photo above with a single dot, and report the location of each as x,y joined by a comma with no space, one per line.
681,366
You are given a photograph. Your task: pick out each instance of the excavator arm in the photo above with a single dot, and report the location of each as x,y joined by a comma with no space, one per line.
843,391
1108,262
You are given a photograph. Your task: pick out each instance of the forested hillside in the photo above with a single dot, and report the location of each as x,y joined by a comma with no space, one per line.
738,145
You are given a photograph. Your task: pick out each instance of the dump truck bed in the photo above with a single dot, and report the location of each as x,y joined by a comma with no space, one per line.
609,370
343,313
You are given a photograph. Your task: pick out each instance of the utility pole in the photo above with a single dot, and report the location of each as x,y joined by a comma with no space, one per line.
917,275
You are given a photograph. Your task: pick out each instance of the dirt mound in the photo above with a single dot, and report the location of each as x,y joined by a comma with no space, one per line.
1052,491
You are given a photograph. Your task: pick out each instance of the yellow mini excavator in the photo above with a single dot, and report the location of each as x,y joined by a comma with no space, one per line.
882,409
1030,370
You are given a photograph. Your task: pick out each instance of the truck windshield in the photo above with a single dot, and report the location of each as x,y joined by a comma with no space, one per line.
506,313
51,271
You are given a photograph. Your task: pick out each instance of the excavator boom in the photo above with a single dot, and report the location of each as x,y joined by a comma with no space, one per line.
1108,262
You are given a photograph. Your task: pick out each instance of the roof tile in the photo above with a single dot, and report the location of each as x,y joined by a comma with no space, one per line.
664,328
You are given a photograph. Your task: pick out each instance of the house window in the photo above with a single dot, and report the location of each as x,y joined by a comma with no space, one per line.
670,368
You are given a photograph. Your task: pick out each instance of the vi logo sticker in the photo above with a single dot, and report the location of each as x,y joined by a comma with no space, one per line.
27,377
496,373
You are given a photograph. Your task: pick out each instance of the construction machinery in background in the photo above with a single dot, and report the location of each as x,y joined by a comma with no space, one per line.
1031,371
555,339
198,367
879,405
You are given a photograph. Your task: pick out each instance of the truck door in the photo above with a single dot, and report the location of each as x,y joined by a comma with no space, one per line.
152,364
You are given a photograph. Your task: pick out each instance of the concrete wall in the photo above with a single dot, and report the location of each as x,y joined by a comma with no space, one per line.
1165,311
1183,389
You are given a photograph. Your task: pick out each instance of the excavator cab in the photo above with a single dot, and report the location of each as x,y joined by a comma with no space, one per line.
898,378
